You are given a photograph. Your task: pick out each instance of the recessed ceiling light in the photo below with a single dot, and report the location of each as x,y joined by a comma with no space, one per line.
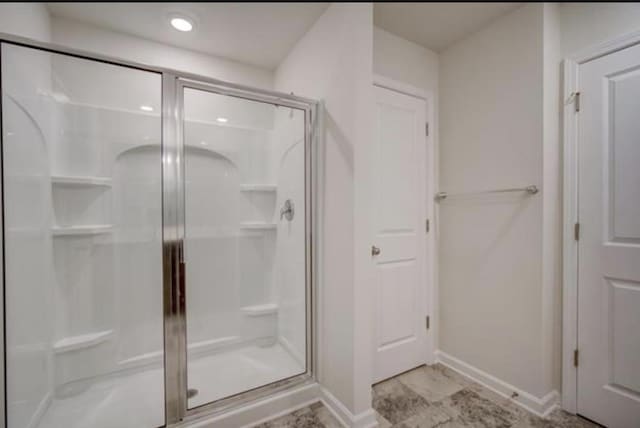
181,24
222,120
146,108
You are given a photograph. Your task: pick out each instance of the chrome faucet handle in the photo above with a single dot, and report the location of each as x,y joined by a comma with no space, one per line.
287,211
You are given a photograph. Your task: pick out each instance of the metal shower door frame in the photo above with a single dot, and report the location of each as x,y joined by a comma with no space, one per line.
173,244
173,267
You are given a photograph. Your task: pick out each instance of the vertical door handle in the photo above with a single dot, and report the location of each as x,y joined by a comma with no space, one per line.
375,250
182,285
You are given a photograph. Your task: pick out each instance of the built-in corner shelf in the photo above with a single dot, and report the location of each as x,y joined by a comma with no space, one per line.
68,180
90,229
257,225
82,341
260,310
258,187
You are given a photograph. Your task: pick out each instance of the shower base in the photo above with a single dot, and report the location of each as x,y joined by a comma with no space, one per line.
133,400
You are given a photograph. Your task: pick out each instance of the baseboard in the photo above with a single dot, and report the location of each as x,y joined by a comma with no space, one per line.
540,406
366,419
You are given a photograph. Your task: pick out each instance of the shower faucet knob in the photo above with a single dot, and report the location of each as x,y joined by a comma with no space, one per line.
287,210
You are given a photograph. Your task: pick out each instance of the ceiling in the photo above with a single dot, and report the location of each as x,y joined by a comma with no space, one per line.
260,34
437,25
240,31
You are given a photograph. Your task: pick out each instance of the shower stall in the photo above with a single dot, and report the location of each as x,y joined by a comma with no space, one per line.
157,229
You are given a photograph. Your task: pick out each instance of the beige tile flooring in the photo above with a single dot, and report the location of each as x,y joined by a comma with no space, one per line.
435,396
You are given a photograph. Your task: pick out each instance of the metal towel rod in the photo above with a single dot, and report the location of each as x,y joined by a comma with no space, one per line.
531,190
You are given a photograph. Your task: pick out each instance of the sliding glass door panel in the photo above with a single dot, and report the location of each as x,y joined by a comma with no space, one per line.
82,206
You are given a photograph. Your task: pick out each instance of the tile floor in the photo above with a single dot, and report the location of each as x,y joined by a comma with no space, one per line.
435,396
313,416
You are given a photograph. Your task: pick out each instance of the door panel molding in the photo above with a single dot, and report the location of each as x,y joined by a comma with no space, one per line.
571,66
406,242
431,209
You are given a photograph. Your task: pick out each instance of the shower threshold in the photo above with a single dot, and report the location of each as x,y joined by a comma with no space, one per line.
133,400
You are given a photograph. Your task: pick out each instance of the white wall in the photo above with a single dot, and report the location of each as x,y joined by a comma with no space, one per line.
552,199
493,292
26,20
404,61
500,285
586,24
85,37
333,63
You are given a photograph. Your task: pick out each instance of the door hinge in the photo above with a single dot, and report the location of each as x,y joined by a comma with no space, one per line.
426,129
575,358
427,225
427,322
576,231
575,99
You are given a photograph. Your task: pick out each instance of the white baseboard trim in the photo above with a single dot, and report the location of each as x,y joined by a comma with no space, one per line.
366,419
540,406
262,410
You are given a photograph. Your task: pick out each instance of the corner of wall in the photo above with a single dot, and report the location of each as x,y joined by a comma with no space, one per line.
364,273
552,199
500,66
405,61
332,63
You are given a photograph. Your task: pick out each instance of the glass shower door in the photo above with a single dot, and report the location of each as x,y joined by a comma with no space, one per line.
245,246
117,184
81,172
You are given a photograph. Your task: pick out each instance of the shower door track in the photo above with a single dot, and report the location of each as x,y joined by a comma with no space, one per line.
177,413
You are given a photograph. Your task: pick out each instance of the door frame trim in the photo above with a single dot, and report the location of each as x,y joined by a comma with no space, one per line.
570,216
431,265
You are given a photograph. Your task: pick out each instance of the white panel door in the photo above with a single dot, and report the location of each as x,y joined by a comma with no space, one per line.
609,248
399,201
